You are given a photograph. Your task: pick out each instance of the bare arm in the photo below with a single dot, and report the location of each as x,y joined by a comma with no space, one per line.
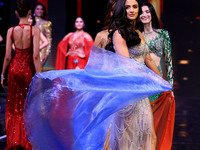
168,57
45,42
98,39
148,60
36,55
122,49
151,64
7,57
48,35
120,44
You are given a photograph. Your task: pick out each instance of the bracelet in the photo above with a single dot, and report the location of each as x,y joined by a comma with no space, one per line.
2,77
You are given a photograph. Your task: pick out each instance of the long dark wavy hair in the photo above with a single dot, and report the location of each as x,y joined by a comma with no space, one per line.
44,11
109,9
120,22
154,18
23,7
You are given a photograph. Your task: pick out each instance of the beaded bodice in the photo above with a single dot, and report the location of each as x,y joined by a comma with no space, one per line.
46,28
159,44
155,43
139,52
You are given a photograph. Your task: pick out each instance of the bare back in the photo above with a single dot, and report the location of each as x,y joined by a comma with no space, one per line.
22,36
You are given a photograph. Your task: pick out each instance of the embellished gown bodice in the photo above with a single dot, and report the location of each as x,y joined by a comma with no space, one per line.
76,45
159,44
79,47
73,51
139,52
131,127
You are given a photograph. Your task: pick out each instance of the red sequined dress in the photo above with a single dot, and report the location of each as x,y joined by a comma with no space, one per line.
77,51
21,70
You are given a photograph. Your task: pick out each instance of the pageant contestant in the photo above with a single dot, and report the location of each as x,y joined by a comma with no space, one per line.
45,26
163,104
75,109
21,69
101,39
74,49
132,127
44,40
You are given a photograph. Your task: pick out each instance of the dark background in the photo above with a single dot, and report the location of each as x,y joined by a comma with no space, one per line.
180,17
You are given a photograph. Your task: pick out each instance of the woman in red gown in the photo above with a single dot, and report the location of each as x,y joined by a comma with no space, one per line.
76,47
21,69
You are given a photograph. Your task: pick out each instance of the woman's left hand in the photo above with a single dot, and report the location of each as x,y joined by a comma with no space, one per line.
172,93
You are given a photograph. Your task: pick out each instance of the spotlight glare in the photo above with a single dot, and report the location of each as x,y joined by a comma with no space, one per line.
184,62
185,78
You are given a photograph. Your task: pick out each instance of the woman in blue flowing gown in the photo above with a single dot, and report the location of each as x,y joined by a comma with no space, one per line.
68,108
133,126
73,109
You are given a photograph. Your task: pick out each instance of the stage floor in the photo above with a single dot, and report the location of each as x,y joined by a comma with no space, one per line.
186,130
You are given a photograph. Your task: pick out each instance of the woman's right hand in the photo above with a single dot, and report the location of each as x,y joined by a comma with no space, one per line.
3,83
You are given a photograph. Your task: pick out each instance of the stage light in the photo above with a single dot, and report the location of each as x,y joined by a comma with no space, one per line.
183,133
98,21
185,78
198,18
190,51
183,125
184,62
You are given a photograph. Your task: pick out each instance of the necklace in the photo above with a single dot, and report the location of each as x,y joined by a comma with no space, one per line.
149,32
37,19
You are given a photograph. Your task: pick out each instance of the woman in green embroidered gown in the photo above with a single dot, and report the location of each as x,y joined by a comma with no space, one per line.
163,104
158,41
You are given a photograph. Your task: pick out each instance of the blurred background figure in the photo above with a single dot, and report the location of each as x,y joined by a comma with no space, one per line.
74,49
45,26
44,40
101,39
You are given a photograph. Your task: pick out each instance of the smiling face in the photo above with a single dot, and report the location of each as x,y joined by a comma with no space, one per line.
145,17
132,9
39,11
79,23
